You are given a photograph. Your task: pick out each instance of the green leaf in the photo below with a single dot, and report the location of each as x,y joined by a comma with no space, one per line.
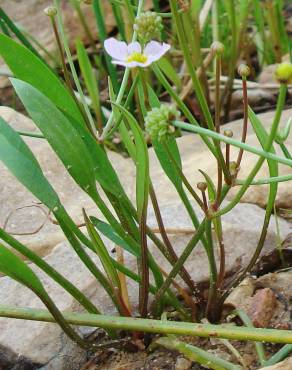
153,98
59,132
89,77
18,158
141,160
170,72
13,266
28,67
166,162
110,233
102,252
211,186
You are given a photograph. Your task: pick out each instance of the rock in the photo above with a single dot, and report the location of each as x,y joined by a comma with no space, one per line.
13,195
269,306
267,75
283,365
261,308
256,97
195,156
182,364
10,360
241,293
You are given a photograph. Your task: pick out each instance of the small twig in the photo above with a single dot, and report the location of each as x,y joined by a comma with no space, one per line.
31,232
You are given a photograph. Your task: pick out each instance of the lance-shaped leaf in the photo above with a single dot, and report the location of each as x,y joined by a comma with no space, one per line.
14,267
61,135
141,160
26,66
19,159
102,252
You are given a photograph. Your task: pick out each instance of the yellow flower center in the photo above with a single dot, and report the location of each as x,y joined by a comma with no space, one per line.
137,57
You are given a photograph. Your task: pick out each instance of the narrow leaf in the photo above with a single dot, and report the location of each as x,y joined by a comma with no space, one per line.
28,67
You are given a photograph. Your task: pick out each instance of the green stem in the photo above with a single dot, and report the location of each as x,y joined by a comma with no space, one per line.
258,345
181,105
196,83
124,83
102,34
211,310
72,67
60,319
202,131
269,180
172,256
155,326
267,147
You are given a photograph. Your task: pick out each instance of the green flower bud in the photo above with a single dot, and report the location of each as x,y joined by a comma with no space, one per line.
284,72
50,11
148,27
243,70
217,47
157,121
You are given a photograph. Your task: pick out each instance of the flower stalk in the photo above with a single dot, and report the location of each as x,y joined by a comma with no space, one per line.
154,326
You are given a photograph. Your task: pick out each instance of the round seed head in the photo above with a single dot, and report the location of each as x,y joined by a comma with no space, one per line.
50,11
217,47
243,70
158,121
228,133
202,186
284,72
148,27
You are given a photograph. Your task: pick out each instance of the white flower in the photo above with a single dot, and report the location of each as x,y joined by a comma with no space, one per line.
132,55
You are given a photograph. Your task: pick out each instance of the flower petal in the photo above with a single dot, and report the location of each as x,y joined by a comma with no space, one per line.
134,47
154,50
116,49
